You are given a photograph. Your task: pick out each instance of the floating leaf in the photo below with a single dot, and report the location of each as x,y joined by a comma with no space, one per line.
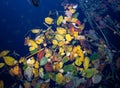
35,31
86,62
48,20
90,72
78,62
55,42
4,53
1,65
64,60
82,26
94,56
61,30
43,61
40,54
10,61
33,51
68,37
60,79
25,66
57,66
76,15
1,84
60,19
69,68
32,43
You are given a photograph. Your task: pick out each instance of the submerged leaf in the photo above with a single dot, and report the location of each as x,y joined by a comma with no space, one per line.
4,53
1,84
94,56
1,65
10,61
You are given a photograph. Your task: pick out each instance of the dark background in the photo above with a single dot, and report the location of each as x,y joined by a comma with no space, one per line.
17,17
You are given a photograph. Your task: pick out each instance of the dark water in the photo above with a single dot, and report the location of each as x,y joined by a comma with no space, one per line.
19,16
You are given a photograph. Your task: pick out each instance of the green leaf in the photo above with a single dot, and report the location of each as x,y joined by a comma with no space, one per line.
90,72
4,53
60,19
64,60
1,65
43,61
25,66
10,61
94,56
76,15
33,51
69,68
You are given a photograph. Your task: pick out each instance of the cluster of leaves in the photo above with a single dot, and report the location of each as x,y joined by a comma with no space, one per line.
62,56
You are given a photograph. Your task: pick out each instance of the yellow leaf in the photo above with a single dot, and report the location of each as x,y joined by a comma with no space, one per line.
59,37
48,20
75,34
55,42
35,72
86,63
57,66
32,43
36,65
68,37
81,27
1,84
1,65
60,79
61,43
35,31
61,30
10,61
73,20
78,61
15,70
39,41
72,10
4,53
60,19
31,48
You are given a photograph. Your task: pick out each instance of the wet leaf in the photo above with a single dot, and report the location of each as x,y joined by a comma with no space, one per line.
69,68
90,72
94,56
33,51
76,15
10,61
86,62
61,30
60,79
64,60
60,19
1,84
43,61
1,65
35,31
78,61
4,53
48,20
